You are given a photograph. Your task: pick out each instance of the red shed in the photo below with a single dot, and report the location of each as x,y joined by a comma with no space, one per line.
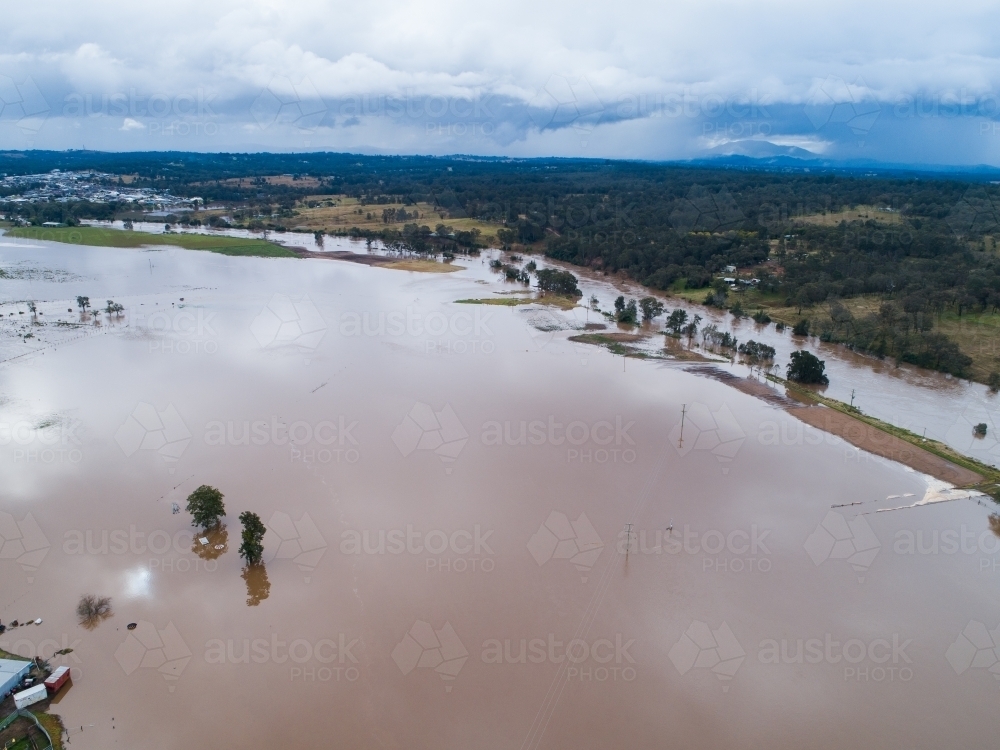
56,680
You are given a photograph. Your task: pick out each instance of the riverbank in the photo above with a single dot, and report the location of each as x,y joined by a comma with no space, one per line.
104,237
967,471
830,415
422,265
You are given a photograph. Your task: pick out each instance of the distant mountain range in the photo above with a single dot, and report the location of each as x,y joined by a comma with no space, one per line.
761,154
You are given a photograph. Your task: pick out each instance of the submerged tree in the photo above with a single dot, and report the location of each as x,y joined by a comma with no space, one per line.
677,320
691,329
626,312
807,368
252,546
92,610
205,506
651,308
83,303
557,282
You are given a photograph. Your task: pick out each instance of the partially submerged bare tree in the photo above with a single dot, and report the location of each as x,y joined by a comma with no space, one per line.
93,610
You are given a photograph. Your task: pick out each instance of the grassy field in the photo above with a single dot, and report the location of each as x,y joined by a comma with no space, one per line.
331,213
858,213
102,237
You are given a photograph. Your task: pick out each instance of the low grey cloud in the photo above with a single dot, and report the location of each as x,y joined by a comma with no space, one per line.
634,79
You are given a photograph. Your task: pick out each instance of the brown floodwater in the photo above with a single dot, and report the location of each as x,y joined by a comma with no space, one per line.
467,519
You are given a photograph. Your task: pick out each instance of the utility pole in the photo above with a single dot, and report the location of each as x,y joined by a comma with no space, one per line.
680,442
628,540
852,398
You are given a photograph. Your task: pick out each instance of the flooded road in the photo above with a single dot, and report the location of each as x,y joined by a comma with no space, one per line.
467,522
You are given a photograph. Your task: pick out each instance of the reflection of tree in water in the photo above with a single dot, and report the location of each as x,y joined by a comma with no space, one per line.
93,610
218,537
258,587
995,523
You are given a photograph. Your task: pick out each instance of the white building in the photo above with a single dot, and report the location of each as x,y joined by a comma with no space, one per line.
30,696
11,672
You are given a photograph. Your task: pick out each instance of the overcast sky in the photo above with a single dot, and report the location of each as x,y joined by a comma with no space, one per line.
893,81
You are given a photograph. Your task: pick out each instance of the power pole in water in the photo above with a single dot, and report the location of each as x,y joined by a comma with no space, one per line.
628,539
680,442
852,398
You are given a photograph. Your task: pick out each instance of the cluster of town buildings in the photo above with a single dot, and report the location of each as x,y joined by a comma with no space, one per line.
96,187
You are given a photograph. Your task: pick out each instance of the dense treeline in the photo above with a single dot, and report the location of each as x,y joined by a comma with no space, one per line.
927,250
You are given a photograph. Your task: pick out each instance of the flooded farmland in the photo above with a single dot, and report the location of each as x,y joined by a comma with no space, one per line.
479,533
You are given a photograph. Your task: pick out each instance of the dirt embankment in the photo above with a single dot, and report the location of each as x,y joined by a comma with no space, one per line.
873,440
423,265
860,434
